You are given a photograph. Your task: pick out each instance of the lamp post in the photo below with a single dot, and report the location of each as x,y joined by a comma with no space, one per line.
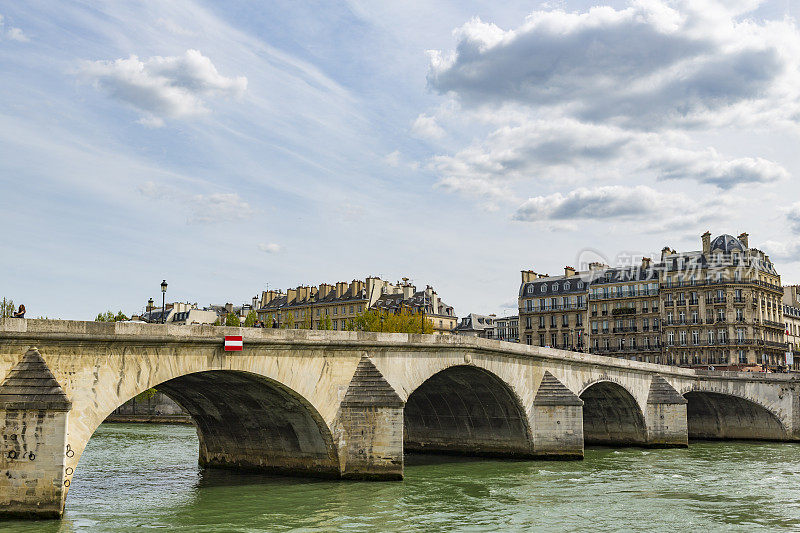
163,301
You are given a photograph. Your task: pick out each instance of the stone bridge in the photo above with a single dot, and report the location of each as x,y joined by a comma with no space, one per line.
350,404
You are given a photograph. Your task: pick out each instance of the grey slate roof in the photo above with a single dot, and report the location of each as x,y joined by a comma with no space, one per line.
662,392
553,392
30,386
369,388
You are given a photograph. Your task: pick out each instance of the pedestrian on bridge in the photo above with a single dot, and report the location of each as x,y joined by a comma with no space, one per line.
20,313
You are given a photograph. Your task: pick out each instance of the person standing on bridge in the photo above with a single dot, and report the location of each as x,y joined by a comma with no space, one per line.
20,313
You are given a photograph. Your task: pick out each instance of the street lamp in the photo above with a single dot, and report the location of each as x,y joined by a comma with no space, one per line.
163,301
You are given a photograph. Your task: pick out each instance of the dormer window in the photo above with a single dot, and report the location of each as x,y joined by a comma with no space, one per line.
566,286
544,288
555,287
580,284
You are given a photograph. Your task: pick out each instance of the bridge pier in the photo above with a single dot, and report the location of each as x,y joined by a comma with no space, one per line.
557,421
666,416
370,427
33,441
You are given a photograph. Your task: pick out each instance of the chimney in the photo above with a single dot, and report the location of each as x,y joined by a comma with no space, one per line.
291,294
665,251
569,271
528,276
706,237
325,289
645,263
543,276
743,239
229,307
597,266
408,290
341,288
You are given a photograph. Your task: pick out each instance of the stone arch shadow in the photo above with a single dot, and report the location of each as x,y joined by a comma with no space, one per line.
611,415
247,421
466,410
717,415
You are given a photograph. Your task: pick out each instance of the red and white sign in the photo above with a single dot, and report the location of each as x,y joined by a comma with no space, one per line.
233,343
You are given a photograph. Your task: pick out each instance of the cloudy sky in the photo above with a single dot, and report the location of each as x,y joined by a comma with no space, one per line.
228,147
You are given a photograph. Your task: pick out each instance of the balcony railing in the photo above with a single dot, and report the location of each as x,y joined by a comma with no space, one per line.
704,283
627,329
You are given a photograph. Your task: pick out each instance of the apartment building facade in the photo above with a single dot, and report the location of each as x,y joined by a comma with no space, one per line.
308,307
722,306
624,313
791,318
507,328
552,309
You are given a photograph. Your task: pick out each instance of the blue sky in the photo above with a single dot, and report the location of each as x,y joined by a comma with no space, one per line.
227,146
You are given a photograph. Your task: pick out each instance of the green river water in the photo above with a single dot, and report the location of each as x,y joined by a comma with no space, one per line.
138,477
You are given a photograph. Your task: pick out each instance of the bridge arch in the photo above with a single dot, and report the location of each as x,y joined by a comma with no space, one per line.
465,409
245,421
715,414
611,415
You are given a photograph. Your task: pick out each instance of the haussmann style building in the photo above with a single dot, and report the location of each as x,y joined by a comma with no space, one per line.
721,306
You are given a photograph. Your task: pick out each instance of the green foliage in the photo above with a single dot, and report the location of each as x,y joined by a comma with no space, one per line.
325,323
108,316
7,308
146,395
217,322
232,320
251,318
288,320
404,322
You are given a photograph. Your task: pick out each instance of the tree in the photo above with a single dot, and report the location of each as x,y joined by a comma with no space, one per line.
7,310
108,316
288,320
403,322
251,318
325,323
232,320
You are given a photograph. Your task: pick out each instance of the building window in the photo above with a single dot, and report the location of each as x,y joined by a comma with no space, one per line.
553,340
541,339
554,287
541,321
528,340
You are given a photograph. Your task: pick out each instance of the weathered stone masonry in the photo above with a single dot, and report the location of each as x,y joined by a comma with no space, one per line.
349,404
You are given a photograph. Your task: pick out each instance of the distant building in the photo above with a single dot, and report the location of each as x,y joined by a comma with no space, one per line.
552,309
475,325
306,307
791,317
624,314
178,313
507,328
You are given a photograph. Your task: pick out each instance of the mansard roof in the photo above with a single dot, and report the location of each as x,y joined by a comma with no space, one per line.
727,243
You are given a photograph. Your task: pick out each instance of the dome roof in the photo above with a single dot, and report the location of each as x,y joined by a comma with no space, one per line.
727,243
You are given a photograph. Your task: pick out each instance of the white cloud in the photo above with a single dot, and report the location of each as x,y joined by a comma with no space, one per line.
393,159
793,216
174,28
11,33
655,63
174,87
426,127
201,208
608,202
270,248
539,150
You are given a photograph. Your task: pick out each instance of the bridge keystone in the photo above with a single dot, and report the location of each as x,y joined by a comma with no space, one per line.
33,429
667,425
371,426
557,420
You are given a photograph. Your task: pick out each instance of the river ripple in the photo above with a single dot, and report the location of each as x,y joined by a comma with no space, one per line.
135,477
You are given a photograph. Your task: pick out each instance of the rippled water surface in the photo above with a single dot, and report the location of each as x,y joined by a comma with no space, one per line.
137,477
